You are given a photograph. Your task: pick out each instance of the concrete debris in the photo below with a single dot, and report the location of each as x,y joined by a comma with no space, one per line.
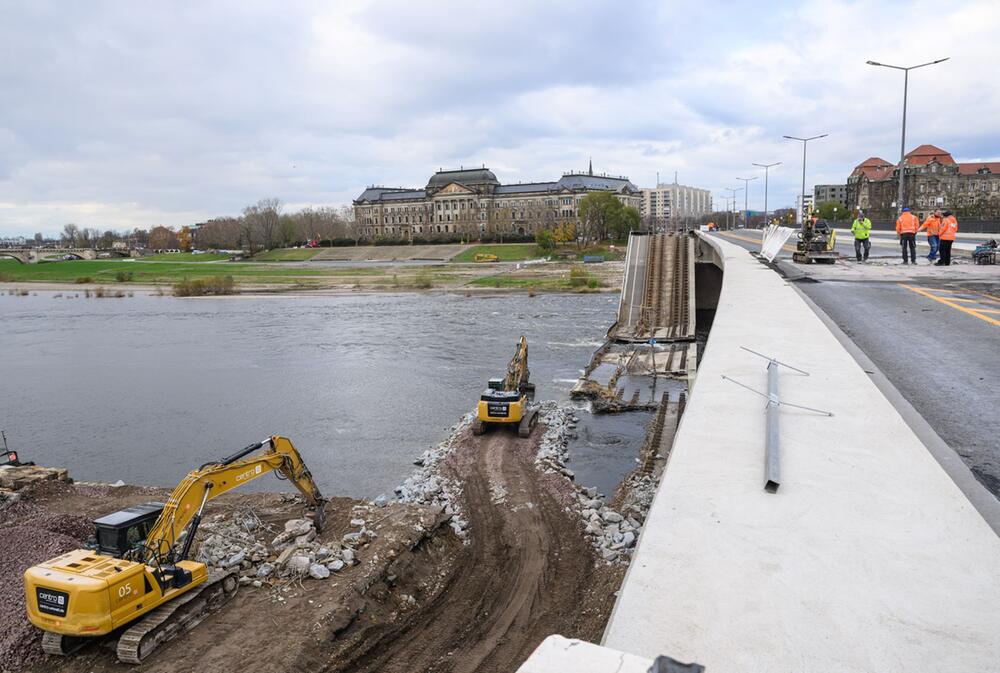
613,532
335,565
319,572
428,486
298,565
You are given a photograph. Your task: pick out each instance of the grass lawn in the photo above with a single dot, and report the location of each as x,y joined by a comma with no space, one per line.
186,257
287,255
105,271
508,252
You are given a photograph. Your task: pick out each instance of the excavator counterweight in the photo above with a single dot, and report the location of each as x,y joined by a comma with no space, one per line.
508,400
139,578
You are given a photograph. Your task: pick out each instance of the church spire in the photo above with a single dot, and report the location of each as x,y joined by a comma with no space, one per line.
590,167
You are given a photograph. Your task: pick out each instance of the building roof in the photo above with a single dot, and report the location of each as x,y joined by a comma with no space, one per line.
389,194
926,154
472,176
526,187
873,168
984,166
584,181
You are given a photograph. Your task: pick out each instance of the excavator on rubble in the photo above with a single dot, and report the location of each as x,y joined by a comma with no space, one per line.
508,400
139,583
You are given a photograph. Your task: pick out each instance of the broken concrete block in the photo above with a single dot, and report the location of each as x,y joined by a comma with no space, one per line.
318,572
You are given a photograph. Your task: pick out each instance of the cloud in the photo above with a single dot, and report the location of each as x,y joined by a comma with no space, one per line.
119,116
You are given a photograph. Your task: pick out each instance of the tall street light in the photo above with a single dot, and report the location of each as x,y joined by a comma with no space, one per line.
746,194
766,167
902,142
804,141
733,197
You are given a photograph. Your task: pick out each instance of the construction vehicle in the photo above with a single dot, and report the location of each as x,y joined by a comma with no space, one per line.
508,401
485,257
9,456
816,243
139,583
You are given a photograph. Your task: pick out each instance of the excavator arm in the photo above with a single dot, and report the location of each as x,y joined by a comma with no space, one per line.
517,370
185,505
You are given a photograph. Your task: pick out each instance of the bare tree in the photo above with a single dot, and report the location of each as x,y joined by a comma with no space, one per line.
249,228
70,234
269,219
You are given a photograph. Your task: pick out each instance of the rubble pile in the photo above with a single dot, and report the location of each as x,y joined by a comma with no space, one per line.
428,486
560,426
25,542
614,532
298,551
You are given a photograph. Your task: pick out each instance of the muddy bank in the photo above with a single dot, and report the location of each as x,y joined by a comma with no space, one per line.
481,556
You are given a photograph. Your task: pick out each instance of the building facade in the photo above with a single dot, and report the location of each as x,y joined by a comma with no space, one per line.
931,179
472,202
672,201
804,207
836,193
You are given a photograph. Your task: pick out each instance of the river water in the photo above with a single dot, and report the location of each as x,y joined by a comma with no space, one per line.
145,388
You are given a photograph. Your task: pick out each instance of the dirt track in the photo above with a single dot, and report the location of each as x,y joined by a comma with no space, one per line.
528,573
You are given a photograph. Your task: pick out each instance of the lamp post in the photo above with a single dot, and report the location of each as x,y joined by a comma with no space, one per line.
733,197
766,167
902,141
746,195
804,141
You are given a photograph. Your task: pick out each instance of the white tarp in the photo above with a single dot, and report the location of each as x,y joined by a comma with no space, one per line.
774,239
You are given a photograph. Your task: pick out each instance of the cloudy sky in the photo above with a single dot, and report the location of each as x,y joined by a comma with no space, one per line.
118,115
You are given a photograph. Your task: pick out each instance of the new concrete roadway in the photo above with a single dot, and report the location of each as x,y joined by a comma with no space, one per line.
936,339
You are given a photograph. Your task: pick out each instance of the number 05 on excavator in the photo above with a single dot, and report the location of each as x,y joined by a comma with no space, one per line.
139,583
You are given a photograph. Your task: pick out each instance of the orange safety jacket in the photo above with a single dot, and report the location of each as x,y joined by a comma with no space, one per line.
907,224
932,225
949,228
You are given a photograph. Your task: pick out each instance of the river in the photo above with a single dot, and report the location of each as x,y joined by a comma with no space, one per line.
145,388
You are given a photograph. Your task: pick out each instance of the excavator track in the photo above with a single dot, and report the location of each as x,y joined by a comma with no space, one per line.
61,646
175,617
528,423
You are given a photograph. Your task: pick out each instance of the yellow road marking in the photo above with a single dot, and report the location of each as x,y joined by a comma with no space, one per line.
988,310
950,303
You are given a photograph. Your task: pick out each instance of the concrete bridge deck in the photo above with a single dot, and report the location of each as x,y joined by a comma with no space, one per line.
35,255
657,297
868,558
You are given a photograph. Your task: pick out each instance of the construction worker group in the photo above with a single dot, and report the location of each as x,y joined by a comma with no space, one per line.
941,231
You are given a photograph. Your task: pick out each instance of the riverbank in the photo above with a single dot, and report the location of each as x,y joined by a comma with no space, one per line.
123,276
486,549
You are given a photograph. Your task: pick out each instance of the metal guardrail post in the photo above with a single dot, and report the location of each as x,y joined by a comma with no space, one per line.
772,452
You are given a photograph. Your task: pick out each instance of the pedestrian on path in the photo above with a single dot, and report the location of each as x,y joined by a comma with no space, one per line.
933,227
949,229
861,228
906,228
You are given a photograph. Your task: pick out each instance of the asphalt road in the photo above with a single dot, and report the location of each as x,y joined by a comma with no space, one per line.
939,345
883,244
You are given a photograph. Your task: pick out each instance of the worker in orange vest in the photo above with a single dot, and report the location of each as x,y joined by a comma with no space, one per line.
932,225
906,228
949,229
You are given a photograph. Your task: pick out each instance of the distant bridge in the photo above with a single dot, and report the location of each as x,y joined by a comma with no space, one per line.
35,255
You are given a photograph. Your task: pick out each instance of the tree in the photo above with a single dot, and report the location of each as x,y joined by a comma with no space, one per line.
269,217
184,239
600,213
545,240
70,234
831,210
162,238
625,220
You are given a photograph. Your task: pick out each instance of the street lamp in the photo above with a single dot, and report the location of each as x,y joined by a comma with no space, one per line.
766,167
746,194
902,142
733,197
804,141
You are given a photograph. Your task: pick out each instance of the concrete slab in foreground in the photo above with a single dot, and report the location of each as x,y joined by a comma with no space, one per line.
868,558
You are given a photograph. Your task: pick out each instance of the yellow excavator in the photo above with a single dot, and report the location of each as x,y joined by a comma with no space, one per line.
139,582
508,400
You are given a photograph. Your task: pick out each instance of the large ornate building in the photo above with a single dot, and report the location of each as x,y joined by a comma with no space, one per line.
472,202
932,179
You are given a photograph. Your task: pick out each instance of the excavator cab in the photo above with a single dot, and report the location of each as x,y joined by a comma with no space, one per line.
126,530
